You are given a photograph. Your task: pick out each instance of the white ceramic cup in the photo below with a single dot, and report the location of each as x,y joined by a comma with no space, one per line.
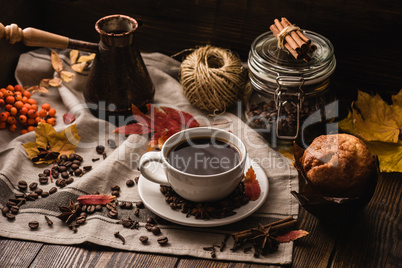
194,187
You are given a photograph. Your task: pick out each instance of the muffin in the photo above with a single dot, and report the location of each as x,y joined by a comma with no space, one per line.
338,165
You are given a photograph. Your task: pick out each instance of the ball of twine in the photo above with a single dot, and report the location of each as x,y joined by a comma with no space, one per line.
213,79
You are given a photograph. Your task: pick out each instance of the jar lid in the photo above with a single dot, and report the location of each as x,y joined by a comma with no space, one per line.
267,62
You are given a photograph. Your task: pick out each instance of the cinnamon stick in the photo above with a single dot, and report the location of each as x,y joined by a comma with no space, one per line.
242,236
296,35
288,38
276,31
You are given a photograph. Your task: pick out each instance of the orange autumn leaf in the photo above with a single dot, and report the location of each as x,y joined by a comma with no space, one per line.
56,61
99,199
291,236
252,188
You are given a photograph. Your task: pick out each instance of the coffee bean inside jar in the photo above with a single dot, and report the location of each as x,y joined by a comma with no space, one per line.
287,92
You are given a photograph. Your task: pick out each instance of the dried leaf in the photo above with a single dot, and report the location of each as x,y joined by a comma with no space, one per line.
55,82
252,188
86,58
64,142
74,56
44,83
291,236
373,119
67,76
56,61
33,88
99,199
161,119
79,67
380,125
43,90
133,129
68,118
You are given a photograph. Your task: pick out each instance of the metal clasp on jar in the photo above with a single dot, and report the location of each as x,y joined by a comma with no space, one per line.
283,94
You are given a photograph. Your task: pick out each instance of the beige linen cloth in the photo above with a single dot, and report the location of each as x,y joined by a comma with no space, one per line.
121,165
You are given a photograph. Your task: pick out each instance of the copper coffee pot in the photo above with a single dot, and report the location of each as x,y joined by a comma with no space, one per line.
118,77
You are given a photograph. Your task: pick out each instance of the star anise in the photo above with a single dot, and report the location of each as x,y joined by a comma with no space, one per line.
202,211
68,214
45,154
263,242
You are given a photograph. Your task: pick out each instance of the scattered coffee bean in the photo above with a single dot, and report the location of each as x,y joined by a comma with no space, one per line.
20,195
61,183
10,216
39,191
143,239
70,180
116,193
33,225
90,209
33,195
149,226
136,179
98,207
129,205
43,180
139,204
95,193
62,169
68,164
111,143
5,210
11,203
155,230
55,174
81,219
137,212
150,220
63,157
87,168
115,187
44,194
74,166
113,214
130,183
22,185
76,162
78,157
14,209
78,172
95,159
46,172
52,190
100,149
84,208
104,155
163,240
110,206
64,175
33,186
48,221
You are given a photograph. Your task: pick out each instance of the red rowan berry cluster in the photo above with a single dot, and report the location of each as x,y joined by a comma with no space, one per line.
17,105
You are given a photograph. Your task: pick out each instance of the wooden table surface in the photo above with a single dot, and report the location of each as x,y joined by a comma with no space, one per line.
372,240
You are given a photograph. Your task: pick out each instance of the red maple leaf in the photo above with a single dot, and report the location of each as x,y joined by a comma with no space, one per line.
291,236
252,188
162,122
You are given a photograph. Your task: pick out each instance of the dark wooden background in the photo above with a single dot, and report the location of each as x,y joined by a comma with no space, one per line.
364,33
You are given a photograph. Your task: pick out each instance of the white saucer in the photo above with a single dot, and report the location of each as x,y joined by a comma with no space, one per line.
154,200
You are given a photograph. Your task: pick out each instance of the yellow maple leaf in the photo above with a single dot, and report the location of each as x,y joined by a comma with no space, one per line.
380,125
64,142
373,119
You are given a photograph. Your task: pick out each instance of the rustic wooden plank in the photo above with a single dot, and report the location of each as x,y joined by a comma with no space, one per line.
95,256
374,240
16,253
201,263
315,249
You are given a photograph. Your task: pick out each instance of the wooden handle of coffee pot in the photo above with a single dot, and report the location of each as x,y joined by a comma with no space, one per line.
38,38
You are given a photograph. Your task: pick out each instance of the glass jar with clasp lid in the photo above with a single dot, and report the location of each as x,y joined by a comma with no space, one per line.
288,95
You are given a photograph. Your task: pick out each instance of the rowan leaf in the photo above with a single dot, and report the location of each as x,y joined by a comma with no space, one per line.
291,236
55,82
79,67
74,56
252,188
56,61
67,76
64,142
86,58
